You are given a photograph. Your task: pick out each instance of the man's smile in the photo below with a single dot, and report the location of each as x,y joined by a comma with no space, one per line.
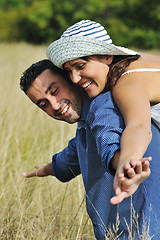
64,109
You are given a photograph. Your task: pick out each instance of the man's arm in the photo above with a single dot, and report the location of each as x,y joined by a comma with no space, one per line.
64,166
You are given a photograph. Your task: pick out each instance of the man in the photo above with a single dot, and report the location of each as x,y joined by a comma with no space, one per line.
93,152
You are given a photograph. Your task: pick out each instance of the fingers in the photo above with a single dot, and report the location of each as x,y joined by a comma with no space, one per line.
146,166
116,185
41,171
29,174
127,166
146,159
138,167
32,174
40,166
136,164
130,173
118,198
127,182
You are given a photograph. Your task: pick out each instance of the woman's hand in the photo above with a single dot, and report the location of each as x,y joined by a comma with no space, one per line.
126,183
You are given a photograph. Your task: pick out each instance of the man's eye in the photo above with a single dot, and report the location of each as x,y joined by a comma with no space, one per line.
54,92
43,104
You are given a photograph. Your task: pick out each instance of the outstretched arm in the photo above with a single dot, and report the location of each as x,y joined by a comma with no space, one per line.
107,132
133,102
64,166
41,171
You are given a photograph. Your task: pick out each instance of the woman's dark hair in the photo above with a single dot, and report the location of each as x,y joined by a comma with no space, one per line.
30,74
117,67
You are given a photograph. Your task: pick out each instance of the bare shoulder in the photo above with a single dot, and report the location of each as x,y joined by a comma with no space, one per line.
132,99
148,81
150,59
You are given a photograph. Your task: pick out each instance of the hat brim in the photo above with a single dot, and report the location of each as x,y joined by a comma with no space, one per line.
70,48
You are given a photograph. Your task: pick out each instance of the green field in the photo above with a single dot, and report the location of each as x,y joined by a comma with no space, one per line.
37,208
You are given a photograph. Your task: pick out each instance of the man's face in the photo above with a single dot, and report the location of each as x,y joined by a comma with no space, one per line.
54,95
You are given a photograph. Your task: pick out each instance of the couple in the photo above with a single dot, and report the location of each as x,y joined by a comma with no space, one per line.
94,152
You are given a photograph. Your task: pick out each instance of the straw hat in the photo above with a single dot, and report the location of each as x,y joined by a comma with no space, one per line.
84,38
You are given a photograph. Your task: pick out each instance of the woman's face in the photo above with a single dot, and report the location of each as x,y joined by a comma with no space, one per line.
91,75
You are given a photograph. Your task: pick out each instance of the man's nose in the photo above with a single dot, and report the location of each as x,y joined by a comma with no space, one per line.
54,103
75,76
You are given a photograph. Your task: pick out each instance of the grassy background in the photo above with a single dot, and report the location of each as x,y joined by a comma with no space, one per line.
37,208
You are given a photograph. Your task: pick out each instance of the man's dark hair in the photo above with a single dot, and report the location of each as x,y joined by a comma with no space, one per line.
30,74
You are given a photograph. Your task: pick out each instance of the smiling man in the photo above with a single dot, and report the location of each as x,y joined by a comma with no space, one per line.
94,151
46,82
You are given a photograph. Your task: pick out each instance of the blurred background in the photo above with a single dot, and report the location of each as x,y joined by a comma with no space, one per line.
44,208
131,23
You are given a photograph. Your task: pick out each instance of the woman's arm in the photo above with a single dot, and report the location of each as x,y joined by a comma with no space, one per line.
106,124
133,101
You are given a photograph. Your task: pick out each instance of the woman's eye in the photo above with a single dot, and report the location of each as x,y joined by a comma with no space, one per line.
81,66
67,70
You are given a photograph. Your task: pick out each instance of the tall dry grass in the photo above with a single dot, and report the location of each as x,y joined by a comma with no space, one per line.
36,208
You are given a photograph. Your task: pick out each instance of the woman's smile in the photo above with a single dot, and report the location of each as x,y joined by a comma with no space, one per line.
90,74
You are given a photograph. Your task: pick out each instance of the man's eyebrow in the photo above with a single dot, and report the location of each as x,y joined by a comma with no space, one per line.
49,87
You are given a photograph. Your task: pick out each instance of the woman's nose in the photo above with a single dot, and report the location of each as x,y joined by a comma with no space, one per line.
75,76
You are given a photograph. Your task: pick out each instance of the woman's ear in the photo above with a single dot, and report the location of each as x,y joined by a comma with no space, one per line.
109,59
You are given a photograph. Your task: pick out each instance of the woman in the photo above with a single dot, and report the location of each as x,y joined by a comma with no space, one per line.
86,51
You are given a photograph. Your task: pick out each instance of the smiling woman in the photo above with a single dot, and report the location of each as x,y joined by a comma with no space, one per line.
96,64
84,73
134,80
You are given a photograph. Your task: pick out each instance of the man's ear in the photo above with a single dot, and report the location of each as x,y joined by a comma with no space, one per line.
109,59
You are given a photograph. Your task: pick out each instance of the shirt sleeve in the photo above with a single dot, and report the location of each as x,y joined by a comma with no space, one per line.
65,164
106,124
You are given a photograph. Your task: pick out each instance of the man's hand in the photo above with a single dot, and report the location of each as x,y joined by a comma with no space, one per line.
41,171
126,184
